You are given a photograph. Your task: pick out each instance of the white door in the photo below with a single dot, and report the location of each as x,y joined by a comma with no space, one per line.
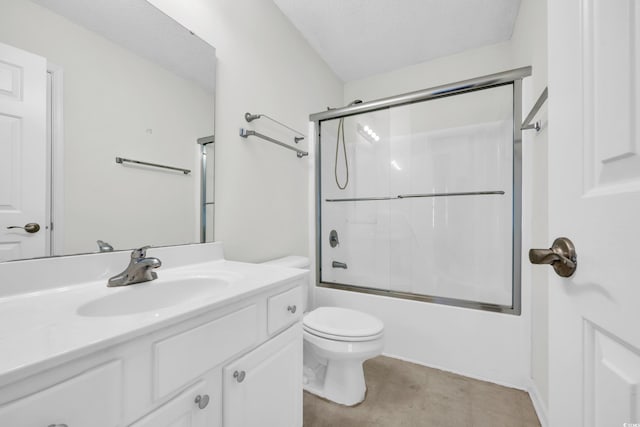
594,187
264,388
23,153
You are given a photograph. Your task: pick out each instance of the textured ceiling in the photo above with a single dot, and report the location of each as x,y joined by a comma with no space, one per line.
359,38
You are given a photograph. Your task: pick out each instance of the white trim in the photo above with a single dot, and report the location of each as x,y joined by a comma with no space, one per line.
538,404
47,207
57,158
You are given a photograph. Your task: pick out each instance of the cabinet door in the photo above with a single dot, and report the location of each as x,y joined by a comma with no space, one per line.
264,387
188,409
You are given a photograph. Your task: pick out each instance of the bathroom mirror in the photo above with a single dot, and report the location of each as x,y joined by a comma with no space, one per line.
83,84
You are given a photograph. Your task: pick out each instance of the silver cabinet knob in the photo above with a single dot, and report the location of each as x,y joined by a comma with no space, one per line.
32,227
239,376
202,401
292,309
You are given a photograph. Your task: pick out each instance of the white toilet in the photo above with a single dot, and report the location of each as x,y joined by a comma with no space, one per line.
336,343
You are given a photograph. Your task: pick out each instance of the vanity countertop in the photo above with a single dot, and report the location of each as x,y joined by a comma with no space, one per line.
44,328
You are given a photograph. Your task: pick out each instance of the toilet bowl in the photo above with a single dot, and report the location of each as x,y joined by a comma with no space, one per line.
337,341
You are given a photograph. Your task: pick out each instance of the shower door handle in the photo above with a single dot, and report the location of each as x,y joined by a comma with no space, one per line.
561,256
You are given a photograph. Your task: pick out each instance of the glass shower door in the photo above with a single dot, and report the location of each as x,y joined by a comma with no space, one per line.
427,212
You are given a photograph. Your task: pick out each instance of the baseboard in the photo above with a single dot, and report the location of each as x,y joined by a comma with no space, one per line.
538,404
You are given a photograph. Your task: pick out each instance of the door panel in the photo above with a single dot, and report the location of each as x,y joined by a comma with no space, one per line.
612,375
594,199
611,46
23,152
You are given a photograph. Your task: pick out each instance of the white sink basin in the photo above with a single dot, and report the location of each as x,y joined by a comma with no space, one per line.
151,296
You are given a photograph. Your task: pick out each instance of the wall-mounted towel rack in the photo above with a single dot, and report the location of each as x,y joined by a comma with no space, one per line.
526,125
247,133
251,117
155,165
413,196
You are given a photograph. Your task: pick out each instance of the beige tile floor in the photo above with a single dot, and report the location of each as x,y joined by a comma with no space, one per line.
402,394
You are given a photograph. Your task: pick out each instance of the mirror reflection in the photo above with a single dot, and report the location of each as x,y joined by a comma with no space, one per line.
81,85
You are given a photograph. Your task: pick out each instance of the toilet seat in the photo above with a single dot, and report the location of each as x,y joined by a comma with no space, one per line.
320,334
342,324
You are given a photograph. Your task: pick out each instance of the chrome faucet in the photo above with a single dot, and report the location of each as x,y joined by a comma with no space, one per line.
139,269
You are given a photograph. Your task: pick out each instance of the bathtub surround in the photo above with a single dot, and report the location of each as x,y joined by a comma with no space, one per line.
428,333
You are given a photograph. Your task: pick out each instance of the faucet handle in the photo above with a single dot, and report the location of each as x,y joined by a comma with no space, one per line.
140,252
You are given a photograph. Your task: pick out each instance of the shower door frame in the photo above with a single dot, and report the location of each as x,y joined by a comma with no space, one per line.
511,77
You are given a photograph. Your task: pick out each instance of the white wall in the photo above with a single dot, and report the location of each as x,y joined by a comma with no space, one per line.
264,66
480,344
117,104
530,45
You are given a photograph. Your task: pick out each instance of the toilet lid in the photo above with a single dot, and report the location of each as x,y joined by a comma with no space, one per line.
342,322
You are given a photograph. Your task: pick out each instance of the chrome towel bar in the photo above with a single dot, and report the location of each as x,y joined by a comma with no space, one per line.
122,160
251,117
245,133
412,196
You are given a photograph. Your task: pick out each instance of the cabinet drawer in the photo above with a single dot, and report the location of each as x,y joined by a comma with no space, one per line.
183,357
284,309
93,398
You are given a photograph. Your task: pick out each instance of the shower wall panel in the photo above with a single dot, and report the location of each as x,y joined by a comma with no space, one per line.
451,246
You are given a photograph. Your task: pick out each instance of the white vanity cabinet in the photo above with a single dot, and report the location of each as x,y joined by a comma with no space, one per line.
181,374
